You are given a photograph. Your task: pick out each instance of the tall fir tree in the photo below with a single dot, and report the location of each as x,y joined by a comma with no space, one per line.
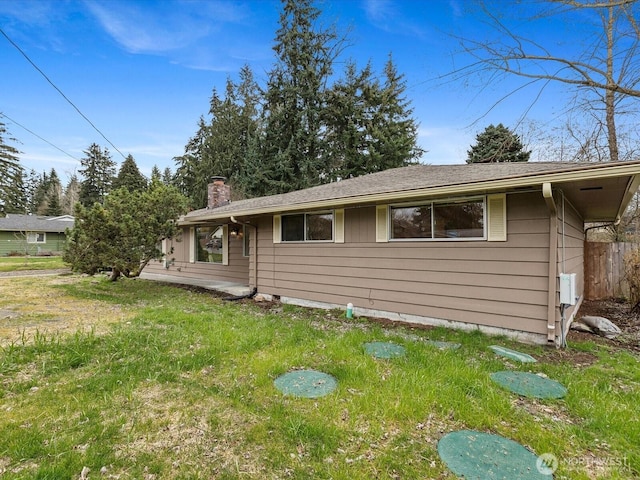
495,144
188,176
129,176
167,176
234,124
369,124
51,204
300,131
31,181
12,193
98,172
394,131
347,118
293,148
71,195
156,175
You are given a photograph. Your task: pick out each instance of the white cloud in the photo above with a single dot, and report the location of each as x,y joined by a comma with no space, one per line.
387,15
166,26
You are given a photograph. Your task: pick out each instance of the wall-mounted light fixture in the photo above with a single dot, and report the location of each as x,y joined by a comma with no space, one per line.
235,231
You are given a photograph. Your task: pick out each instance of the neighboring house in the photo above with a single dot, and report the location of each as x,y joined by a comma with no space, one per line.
33,234
469,246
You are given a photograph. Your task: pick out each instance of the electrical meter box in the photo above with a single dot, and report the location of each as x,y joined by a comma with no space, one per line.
568,288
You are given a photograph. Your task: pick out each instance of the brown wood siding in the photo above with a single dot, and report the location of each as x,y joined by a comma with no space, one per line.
571,257
501,284
237,271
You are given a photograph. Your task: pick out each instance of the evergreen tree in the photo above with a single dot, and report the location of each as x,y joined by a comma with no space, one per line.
497,144
293,147
38,202
12,194
156,176
167,176
129,176
188,173
299,131
51,204
393,131
71,195
98,172
369,124
54,207
31,181
233,126
124,232
347,118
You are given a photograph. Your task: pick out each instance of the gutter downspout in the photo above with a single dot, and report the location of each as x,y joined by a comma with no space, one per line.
547,193
254,252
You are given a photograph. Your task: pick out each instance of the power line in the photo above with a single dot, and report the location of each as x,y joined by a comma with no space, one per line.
60,91
38,136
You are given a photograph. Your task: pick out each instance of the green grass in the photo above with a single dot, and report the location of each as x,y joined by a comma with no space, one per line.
15,264
185,390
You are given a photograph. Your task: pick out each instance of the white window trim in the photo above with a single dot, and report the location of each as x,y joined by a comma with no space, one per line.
431,203
245,237
35,235
320,212
225,245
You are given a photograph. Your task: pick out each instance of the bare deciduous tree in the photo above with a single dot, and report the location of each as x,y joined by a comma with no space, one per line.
605,73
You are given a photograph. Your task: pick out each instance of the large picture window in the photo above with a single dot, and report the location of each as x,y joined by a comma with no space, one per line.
307,227
209,244
439,220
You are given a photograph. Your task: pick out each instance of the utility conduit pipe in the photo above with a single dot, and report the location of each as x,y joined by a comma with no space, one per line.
547,194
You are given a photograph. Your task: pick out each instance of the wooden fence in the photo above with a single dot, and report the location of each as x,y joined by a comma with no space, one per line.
604,270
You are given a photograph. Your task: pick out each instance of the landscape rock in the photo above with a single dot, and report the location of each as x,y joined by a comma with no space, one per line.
599,325
580,327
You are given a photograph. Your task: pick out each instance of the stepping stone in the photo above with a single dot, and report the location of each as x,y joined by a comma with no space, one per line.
529,384
384,350
512,354
306,383
479,456
443,345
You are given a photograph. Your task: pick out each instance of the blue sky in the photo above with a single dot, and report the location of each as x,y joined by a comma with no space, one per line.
143,71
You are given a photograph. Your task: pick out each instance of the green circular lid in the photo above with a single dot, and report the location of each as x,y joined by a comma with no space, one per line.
384,349
306,383
529,384
512,354
483,456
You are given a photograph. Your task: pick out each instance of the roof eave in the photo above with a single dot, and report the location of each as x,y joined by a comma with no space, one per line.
485,186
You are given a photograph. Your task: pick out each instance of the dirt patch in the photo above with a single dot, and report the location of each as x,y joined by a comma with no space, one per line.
619,312
30,306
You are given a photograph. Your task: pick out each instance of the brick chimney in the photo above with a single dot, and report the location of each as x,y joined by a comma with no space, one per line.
218,193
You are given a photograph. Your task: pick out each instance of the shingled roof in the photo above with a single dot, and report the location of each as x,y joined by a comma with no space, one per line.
35,223
415,182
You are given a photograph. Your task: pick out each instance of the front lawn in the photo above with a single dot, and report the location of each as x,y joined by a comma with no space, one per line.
181,385
15,264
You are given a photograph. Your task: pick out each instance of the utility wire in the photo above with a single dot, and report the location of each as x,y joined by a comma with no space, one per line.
38,136
60,92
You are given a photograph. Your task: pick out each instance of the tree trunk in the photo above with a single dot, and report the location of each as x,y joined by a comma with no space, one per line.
610,96
115,274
